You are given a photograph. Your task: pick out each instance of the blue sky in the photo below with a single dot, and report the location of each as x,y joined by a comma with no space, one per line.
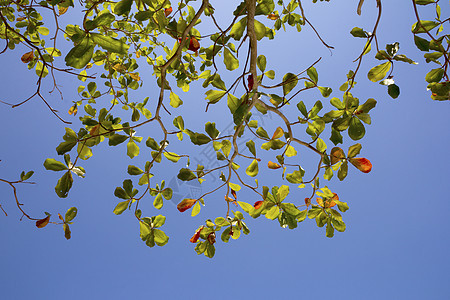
395,245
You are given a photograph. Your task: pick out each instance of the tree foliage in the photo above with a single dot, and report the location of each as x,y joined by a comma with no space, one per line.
181,43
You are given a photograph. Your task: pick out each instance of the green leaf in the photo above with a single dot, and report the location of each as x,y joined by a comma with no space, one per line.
354,150
26,176
211,130
133,170
65,147
123,7
64,184
260,30
421,44
343,206
160,237
312,73
158,221
238,29
231,62
71,214
132,149
289,82
144,230
117,139
186,175
110,44
213,96
358,32
196,209
80,55
175,101
393,90
435,75
251,146
252,170
158,202
167,193
329,231
54,165
356,130
426,26
173,157
233,103
261,62
121,207
343,170
273,213
379,72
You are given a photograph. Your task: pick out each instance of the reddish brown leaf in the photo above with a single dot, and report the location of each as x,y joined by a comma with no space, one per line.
233,192
168,11
212,238
186,204
42,222
336,155
194,45
27,57
258,204
273,165
95,130
196,236
60,217
250,82
362,164
272,17
307,202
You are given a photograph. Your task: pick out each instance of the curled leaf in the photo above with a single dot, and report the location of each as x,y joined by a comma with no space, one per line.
42,222
362,164
196,236
194,45
272,16
308,201
73,110
212,238
186,204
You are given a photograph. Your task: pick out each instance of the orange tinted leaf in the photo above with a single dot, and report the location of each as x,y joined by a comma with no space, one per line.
42,222
95,130
273,165
27,57
212,238
73,110
196,236
60,217
186,204
62,10
272,16
278,133
231,200
168,11
319,201
362,164
258,204
134,76
336,155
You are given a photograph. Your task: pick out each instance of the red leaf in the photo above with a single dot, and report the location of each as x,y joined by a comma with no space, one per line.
362,164
42,222
186,204
194,45
168,11
196,236
258,204
250,82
